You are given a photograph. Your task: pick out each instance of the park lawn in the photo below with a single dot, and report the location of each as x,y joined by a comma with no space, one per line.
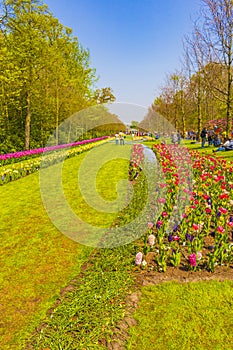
208,150
37,260
196,315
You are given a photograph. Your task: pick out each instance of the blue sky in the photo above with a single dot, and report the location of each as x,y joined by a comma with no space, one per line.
133,44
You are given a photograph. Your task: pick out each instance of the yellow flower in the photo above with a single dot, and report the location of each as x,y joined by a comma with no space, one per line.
187,210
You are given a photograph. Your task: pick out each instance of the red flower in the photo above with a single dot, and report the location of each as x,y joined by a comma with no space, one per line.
223,210
220,229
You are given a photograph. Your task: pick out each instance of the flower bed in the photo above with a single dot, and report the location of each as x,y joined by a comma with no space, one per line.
195,228
10,158
136,160
15,171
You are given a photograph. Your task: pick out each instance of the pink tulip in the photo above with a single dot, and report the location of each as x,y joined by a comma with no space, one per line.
176,238
138,258
220,229
151,240
223,210
150,224
193,260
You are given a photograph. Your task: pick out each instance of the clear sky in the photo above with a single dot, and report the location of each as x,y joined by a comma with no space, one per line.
133,44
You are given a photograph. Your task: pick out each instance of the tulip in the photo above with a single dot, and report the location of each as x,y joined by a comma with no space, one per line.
138,258
193,260
151,240
220,229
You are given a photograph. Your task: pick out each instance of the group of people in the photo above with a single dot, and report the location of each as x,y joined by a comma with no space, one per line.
120,138
223,144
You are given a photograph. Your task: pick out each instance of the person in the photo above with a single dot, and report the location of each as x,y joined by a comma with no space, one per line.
203,137
210,139
178,137
117,138
227,146
216,140
174,138
122,139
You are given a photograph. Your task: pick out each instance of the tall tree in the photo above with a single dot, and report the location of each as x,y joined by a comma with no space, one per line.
216,38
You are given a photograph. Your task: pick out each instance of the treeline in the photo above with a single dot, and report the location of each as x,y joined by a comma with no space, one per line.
201,89
45,77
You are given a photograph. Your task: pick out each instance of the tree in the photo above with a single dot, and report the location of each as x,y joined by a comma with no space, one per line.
104,95
216,44
46,74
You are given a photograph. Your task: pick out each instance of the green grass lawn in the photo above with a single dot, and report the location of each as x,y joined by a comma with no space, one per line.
37,260
208,150
185,316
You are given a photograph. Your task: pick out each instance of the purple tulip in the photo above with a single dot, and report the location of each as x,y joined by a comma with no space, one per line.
189,237
170,238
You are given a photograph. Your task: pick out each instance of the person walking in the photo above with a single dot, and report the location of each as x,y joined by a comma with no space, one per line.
203,137
122,138
117,138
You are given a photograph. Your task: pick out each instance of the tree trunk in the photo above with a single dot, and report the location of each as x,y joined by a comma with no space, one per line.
28,122
199,110
228,102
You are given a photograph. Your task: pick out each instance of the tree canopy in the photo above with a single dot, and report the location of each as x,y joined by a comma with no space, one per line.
45,75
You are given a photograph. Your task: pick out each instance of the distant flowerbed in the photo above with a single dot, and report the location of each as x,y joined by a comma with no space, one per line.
136,160
195,227
219,123
4,158
54,154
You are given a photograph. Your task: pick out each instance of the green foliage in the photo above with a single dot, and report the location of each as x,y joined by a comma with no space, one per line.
45,75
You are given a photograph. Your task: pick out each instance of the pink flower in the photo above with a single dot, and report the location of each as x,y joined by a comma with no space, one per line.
223,210
162,200
199,255
176,238
159,223
138,258
193,259
164,214
208,210
230,224
220,229
151,240
150,224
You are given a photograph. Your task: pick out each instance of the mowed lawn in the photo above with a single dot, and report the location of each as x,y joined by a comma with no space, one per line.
188,316
37,260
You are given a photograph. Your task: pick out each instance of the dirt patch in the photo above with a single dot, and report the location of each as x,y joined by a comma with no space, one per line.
221,273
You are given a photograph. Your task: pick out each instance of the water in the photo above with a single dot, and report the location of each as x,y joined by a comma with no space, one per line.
149,154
